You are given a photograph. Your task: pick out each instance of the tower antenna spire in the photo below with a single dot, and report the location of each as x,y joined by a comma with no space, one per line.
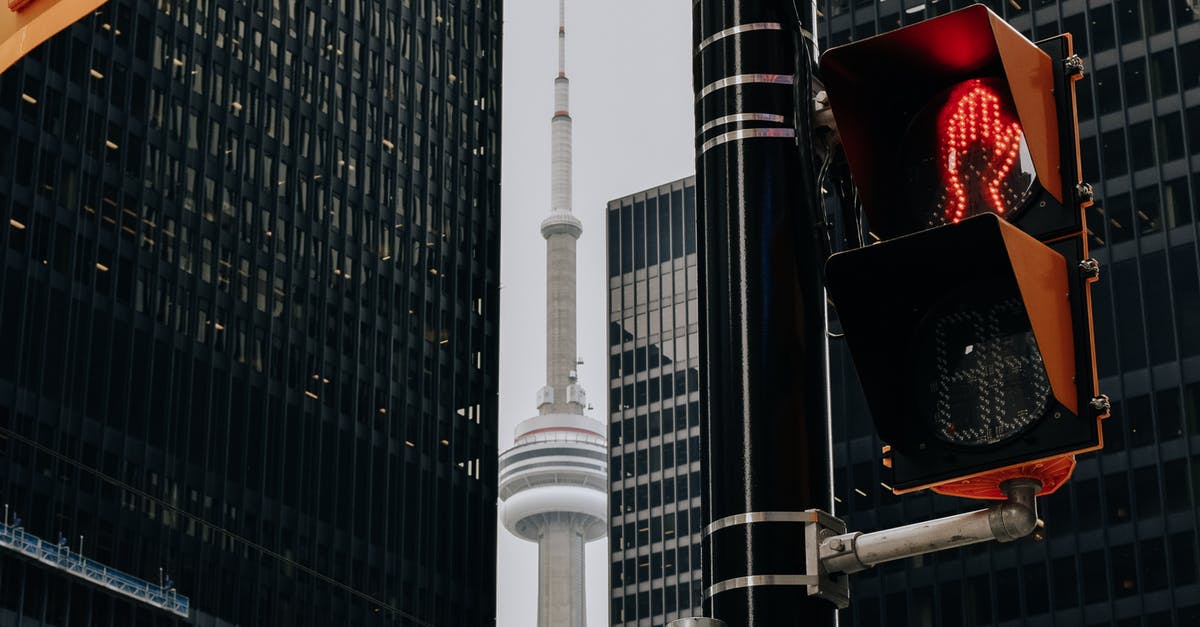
562,38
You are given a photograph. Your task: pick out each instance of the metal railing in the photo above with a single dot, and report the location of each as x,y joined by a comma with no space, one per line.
61,557
570,437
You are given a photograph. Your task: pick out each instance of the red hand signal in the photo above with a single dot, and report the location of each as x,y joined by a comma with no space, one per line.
974,125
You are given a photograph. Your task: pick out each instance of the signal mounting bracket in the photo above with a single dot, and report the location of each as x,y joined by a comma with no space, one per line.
833,555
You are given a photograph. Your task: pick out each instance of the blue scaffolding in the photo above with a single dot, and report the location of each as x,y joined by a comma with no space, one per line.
59,556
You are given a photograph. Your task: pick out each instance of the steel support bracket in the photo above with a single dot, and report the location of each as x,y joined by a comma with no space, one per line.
830,586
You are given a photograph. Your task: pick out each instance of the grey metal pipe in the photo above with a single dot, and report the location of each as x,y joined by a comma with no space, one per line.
1011,520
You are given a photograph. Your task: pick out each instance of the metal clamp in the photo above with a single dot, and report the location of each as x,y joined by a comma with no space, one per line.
1085,192
1090,268
757,517
829,585
1073,65
816,579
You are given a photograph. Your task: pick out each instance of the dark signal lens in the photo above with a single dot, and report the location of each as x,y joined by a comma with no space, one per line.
981,376
966,154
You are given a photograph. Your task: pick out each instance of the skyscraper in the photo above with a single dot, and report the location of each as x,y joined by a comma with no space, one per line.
1121,536
248,315
552,480
654,405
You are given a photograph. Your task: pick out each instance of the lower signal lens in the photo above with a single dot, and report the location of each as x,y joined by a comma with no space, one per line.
982,379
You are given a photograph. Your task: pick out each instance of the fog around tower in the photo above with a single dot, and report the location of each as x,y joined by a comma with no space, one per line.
629,63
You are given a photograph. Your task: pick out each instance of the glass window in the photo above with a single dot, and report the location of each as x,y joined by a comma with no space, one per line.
1095,584
1141,145
1114,430
664,231
1102,34
1130,329
651,233
1045,31
1162,73
690,219
626,239
639,233
1191,71
1193,124
1129,20
1106,348
1158,15
1175,485
1183,557
1170,136
677,241
1153,572
1124,571
950,595
1160,319
978,600
1065,578
1169,414
1176,205
897,608
1134,71
1108,89
1184,12
614,239
1087,501
1008,588
1118,208
1090,155
1145,486
1116,498
1075,25
1037,589
1112,152
1083,98
1186,289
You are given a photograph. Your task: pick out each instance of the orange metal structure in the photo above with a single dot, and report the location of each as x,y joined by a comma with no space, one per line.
25,24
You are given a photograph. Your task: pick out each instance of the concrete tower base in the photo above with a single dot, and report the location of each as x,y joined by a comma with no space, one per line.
561,600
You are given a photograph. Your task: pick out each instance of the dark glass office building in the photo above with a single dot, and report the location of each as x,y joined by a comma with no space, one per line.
248,312
1121,537
1121,545
654,406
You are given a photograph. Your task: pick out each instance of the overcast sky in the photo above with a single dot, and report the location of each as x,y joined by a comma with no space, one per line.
629,62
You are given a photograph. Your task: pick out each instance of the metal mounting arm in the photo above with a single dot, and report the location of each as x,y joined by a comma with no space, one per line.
1007,521
831,556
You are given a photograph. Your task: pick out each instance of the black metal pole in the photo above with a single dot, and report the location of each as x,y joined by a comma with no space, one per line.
763,310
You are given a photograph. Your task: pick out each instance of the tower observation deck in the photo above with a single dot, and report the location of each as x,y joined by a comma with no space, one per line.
554,480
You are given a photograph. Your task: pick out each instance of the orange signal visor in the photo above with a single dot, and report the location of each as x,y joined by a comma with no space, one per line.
26,24
879,86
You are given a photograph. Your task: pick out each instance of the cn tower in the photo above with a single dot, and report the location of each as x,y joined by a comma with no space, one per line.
553,481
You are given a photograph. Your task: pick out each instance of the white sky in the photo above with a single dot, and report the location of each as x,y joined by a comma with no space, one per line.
630,66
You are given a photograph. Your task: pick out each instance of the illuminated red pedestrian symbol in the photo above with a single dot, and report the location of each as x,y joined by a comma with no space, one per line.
979,142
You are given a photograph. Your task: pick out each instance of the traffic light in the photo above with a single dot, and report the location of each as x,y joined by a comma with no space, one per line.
25,24
969,319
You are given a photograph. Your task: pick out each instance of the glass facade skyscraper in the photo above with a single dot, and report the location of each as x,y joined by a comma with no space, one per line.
654,406
248,311
1121,537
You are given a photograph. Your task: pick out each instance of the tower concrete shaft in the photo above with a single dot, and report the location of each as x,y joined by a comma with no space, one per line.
561,599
